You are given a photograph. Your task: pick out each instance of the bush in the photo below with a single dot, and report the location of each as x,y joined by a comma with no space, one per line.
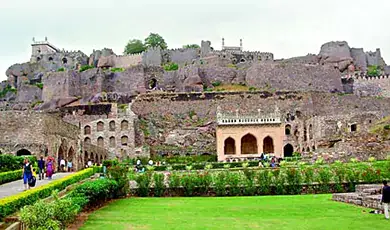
85,67
96,191
373,70
6,90
143,182
217,83
13,203
62,69
171,66
6,177
109,163
11,163
119,174
159,186
39,85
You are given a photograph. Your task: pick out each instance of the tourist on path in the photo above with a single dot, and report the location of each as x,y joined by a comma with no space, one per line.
27,173
41,168
70,165
49,169
62,165
386,198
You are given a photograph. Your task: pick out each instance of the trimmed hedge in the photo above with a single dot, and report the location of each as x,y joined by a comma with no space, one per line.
6,177
12,204
94,192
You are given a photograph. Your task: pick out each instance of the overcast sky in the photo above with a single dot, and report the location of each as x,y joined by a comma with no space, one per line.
284,27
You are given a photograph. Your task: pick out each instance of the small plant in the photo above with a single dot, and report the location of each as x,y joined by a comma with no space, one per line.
373,70
233,66
387,127
371,159
245,165
189,167
171,66
62,69
296,154
150,168
208,166
39,85
226,166
217,83
85,67
320,161
252,88
354,160
36,103
115,70
7,89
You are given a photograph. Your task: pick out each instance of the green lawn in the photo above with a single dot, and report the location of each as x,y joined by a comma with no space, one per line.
260,212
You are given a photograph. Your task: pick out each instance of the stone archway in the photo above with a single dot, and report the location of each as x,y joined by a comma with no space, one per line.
249,144
287,130
268,145
71,155
230,146
86,158
23,152
288,150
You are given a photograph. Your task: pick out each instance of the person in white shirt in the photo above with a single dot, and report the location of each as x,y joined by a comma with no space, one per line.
89,163
62,164
150,162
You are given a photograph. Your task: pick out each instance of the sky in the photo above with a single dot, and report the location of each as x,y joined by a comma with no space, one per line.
286,28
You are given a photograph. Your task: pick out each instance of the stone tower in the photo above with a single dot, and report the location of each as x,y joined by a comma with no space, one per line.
40,48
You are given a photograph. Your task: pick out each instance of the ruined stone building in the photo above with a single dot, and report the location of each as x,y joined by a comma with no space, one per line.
126,106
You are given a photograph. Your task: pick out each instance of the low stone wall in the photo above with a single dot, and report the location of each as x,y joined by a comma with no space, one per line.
365,195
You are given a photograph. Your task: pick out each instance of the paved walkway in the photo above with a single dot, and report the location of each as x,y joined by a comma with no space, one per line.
16,187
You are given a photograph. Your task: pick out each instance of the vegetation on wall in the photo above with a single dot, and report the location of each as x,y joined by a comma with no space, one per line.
373,70
191,46
171,66
39,85
85,67
134,46
7,89
62,69
114,70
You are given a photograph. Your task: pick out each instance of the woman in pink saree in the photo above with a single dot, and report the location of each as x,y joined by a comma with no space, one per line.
49,169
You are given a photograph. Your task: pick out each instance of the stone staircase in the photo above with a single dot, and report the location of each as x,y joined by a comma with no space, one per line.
366,195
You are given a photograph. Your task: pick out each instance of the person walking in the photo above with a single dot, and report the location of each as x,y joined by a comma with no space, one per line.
62,165
49,169
27,173
41,168
70,165
386,198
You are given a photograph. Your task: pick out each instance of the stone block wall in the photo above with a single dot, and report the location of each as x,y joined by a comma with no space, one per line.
183,56
372,86
125,61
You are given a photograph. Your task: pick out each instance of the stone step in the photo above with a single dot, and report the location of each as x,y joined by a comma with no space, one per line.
371,191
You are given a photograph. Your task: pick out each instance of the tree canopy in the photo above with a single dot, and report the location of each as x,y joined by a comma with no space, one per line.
155,40
191,46
134,46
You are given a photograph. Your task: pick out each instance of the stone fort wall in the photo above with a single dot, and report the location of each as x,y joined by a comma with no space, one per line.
372,86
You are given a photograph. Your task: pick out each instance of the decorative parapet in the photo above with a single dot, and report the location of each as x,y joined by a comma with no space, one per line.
364,76
260,118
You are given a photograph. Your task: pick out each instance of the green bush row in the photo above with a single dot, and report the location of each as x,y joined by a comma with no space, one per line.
11,204
253,182
10,162
10,176
61,212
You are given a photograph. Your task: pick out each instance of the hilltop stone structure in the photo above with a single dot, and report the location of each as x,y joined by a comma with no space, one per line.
110,106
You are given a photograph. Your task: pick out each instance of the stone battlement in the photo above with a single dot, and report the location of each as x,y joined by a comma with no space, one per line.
364,76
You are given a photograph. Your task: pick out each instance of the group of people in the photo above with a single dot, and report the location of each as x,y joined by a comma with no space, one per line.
65,166
29,174
140,168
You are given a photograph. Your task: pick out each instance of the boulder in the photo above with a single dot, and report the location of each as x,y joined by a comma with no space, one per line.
337,53
193,83
106,62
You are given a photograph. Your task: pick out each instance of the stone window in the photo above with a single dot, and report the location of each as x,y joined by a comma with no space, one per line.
307,149
287,130
304,134
310,132
230,146
87,140
112,142
112,125
64,61
100,126
124,140
50,59
38,58
100,142
23,152
124,125
242,60
87,130
354,128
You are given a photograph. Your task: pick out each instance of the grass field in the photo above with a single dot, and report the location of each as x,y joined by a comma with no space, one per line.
260,212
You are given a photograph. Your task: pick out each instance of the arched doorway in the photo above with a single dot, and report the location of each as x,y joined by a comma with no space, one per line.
71,155
152,83
288,150
230,146
86,157
268,145
23,152
249,144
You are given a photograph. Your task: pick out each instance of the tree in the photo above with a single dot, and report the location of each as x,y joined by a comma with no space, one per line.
155,40
191,46
134,46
